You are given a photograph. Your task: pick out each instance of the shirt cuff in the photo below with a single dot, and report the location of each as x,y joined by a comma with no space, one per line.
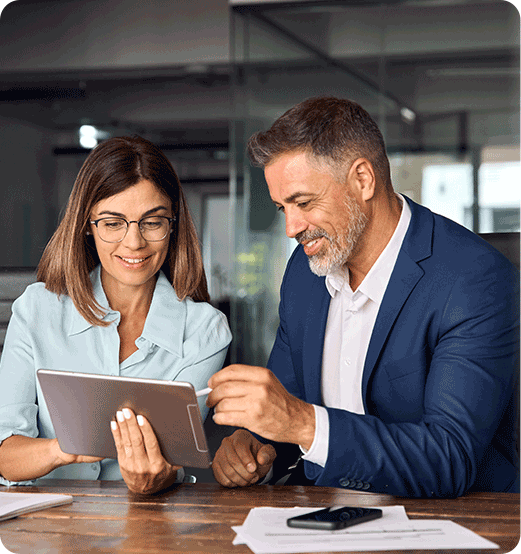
317,454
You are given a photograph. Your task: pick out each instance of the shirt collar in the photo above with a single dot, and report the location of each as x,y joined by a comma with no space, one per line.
335,281
166,318
375,282
78,323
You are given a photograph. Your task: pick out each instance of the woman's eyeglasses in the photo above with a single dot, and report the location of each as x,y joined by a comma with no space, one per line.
152,228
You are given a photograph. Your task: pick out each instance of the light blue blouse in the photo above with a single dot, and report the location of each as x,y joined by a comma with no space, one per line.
181,341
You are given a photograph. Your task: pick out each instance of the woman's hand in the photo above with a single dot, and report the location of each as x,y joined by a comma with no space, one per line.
140,460
66,459
26,458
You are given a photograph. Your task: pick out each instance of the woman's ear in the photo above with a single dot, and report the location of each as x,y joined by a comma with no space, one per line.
362,179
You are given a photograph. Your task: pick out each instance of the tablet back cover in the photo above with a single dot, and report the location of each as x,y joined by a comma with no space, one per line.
82,405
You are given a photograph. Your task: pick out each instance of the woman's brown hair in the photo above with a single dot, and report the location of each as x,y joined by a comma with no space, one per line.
112,167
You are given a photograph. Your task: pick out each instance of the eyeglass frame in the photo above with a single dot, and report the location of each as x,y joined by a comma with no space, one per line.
96,221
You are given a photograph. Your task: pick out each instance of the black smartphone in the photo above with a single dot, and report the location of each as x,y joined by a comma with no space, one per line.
328,519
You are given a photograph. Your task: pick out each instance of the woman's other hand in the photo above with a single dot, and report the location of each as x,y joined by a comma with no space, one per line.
66,459
26,458
142,465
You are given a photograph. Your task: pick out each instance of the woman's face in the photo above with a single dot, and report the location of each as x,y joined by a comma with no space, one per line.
134,262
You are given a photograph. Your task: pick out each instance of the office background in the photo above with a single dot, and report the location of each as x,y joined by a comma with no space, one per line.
197,77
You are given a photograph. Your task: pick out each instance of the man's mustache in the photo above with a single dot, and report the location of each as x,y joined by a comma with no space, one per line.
306,236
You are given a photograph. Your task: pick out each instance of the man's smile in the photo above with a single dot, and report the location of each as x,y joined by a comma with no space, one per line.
313,246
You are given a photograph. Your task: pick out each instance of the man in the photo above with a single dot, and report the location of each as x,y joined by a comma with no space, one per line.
395,363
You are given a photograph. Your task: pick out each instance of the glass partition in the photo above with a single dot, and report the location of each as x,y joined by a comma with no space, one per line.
442,82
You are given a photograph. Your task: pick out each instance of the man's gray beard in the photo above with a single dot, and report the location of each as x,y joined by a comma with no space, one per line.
339,249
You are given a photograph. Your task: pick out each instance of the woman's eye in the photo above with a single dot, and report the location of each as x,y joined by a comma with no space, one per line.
113,224
151,225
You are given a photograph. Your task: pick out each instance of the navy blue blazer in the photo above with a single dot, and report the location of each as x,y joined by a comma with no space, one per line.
440,378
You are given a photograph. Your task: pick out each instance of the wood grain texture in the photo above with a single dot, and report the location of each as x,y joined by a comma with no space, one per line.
106,518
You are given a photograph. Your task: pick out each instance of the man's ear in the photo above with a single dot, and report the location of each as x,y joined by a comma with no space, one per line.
362,179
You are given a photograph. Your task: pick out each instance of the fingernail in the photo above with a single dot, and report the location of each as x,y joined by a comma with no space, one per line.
126,411
140,420
251,467
114,425
120,416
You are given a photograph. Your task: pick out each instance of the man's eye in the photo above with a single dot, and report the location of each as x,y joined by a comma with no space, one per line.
280,208
303,204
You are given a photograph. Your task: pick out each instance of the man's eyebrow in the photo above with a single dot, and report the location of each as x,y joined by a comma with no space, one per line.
296,195
148,212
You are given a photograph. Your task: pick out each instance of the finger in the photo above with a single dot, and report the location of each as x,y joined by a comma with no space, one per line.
116,433
233,419
226,475
239,372
151,443
234,403
221,477
229,389
125,441
237,460
266,455
118,441
246,452
136,437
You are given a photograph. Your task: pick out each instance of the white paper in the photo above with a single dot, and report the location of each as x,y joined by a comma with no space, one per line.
265,532
13,504
273,520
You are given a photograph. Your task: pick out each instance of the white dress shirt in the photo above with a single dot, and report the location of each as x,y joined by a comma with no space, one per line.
350,323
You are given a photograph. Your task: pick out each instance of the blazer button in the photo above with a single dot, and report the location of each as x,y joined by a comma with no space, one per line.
344,482
366,486
359,485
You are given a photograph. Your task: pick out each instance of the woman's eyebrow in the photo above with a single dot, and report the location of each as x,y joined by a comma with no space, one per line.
148,212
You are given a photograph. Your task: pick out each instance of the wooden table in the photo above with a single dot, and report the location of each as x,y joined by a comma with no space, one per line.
106,518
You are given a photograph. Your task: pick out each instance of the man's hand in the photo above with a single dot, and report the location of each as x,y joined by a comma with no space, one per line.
140,460
253,398
242,460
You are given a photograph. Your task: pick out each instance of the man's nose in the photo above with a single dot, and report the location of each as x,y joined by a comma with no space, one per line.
295,223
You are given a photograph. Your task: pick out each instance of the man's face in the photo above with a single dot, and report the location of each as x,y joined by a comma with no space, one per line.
320,212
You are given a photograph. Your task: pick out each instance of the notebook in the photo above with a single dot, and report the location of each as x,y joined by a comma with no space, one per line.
13,504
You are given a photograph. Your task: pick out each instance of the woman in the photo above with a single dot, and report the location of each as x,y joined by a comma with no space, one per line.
121,291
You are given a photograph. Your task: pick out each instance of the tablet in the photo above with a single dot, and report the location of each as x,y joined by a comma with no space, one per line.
82,405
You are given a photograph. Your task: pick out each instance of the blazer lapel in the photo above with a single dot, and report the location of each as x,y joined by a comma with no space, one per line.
313,345
406,274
